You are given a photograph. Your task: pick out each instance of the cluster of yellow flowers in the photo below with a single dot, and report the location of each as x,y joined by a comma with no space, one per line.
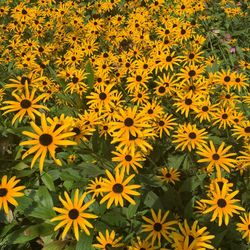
135,75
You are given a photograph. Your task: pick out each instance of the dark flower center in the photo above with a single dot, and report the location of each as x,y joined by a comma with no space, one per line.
142,248
139,95
138,78
75,79
25,104
237,79
45,139
168,175
169,58
76,130
188,101
167,32
128,122
227,96
192,135
73,58
161,123
191,56
150,111
216,157
117,188
248,226
105,127
73,214
224,116
24,12
3,192
183,32
227,78
98,186
162,89
204,108
128,157
157,227
108,246
191,73
221,203
247,129
102,96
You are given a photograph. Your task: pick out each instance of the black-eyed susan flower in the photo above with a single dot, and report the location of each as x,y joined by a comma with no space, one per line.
128,122
223,117
169,175
24,104
242,130
73,214
118,189
8,192
192,237
94,187
164,124
244,226
140,244
44,140
222,204
128,159
159,227
189,136
218,158
108,240
186,103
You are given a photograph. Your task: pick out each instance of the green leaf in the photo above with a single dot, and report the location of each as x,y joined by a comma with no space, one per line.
42,212
48,182
85,242
55,245
130,211
43,197
191,183
114,218
175,161
150,199
90,76
26,234
90,169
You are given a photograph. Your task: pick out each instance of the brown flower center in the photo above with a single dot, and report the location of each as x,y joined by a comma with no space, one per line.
192,135
117,188
3,192
128,122
73,214
45,139
25,104
128,157
221,203
102,96
188,101
157,227
216,157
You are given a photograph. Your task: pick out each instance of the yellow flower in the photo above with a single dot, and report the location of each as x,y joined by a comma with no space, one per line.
222,204
46,139
244,227
25,104
108,241
73,214
158,227
118,189
8,191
